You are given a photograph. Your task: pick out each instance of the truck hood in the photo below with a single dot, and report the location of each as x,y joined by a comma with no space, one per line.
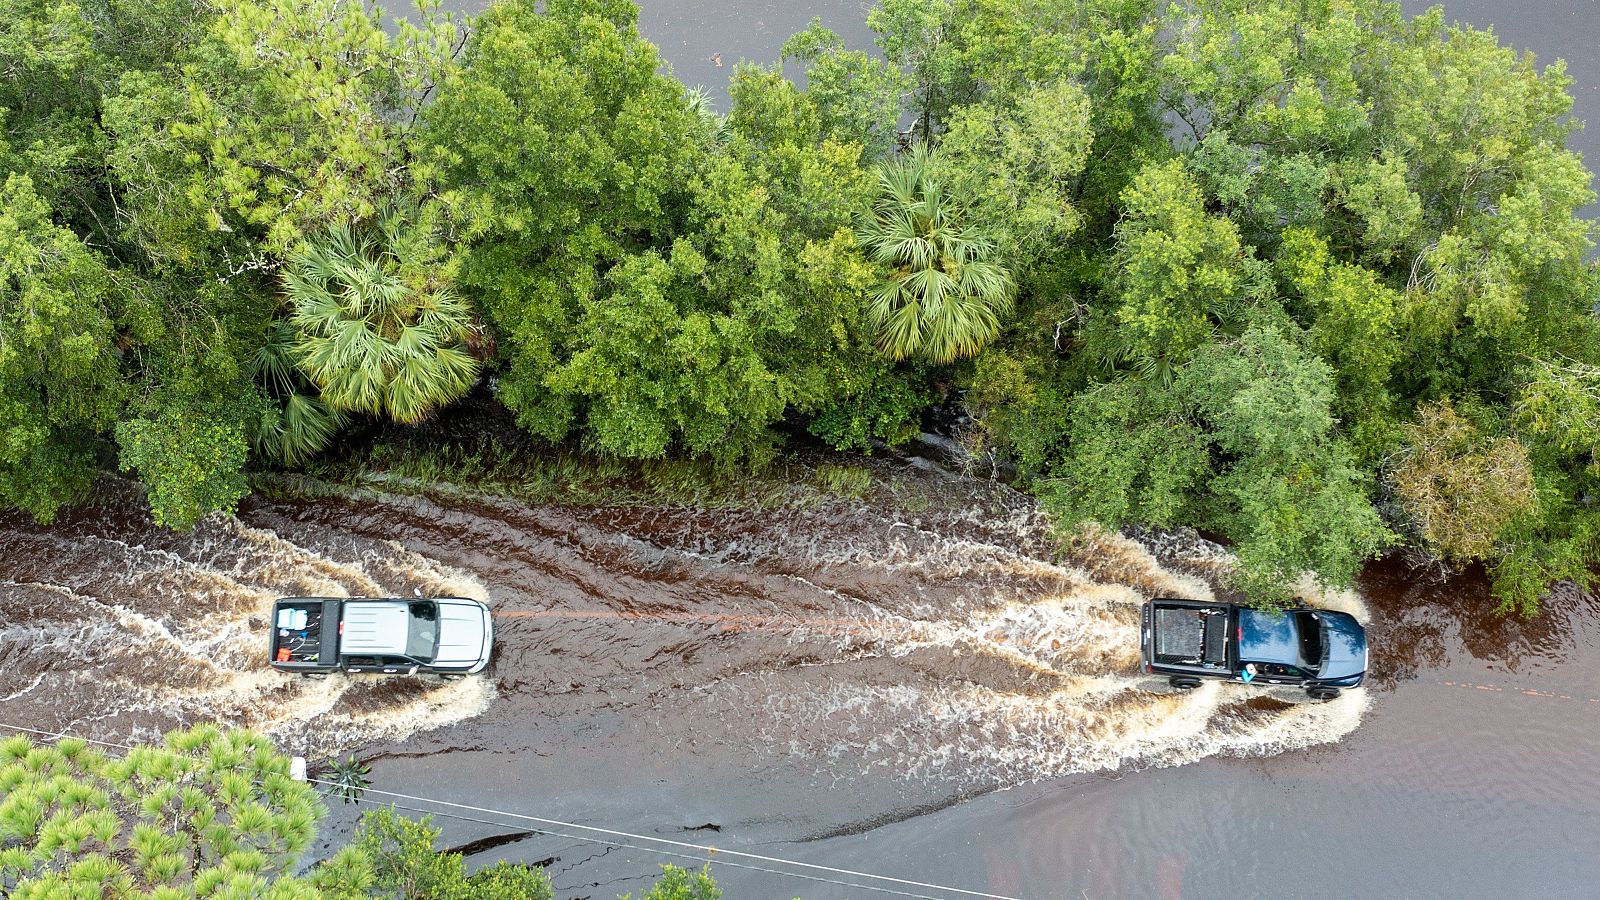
464,632
1346,643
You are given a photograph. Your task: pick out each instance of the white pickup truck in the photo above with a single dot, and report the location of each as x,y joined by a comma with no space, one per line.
442,636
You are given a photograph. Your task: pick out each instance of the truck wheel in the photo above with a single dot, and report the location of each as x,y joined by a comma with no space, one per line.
1184,684
1322,693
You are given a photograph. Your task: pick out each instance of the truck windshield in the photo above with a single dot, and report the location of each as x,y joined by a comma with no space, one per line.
422,639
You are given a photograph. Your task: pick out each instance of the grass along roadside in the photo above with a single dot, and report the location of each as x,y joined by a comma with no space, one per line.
490,466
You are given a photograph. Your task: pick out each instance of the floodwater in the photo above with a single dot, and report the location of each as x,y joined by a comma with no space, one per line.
911,684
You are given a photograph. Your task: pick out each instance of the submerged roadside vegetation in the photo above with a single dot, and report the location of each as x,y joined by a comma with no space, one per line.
1310,277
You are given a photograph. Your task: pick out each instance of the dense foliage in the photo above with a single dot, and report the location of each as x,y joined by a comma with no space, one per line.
942,296
212,813
206,813
375,334
395,858
1308,276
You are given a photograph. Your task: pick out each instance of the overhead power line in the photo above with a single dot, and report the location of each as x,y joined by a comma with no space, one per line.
691,858
707,850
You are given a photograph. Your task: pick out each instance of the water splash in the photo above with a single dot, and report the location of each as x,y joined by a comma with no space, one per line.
961,644
1344,600
1032,674
115,636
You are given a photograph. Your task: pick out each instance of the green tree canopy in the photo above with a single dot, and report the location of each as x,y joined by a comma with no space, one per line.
1180,273
377,331
564,150
656,279
213,813
1117,204
60,387
292,116
1021,166
396,858
183,147
856,95
1241,441
1420,206
680,884
753,311
205,813
189,458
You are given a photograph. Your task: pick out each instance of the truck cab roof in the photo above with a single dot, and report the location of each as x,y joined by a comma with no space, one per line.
1268,637
376,626
409,628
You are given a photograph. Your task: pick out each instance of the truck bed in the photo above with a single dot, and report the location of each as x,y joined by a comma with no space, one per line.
1191,636
305,634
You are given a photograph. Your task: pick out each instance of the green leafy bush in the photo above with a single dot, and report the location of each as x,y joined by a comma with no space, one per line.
189,460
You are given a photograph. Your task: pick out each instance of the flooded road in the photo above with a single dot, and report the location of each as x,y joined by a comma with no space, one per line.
912,685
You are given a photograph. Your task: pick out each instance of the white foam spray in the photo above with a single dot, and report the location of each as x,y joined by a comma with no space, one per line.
1097,712
156,638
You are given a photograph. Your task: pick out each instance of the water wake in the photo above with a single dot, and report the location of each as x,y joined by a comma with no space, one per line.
127,635
961,645
1030,672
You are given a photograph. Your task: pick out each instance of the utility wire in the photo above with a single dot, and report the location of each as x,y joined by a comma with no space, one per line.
544,831
690,857
708,850
704,848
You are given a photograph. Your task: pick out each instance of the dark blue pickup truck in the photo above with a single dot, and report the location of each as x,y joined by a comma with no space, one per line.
1317,649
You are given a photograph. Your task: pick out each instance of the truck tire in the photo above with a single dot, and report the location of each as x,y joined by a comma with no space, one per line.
1184,684
1321,694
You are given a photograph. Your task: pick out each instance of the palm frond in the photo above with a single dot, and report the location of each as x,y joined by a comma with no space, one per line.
273,364
309,425
943,295
375,333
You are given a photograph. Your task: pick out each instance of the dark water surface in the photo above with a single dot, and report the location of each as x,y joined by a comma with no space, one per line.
909,684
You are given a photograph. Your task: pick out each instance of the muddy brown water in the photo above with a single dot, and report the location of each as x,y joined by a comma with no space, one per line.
915,687
930,695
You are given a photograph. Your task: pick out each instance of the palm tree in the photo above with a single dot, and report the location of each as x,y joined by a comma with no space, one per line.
377,333
700,105
944,296
299,424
